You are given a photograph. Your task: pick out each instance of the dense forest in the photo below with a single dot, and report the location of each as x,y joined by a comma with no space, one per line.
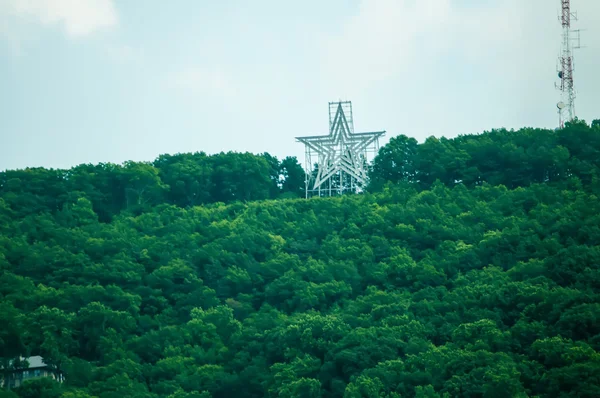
469,268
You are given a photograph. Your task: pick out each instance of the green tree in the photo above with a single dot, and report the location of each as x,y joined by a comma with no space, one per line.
293,177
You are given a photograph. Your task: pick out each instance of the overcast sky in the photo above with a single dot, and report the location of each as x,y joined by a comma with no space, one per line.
89,81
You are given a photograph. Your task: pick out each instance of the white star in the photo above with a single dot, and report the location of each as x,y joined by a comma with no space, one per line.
340,150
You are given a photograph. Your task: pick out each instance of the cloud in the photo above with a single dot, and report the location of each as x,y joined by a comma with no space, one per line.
79,18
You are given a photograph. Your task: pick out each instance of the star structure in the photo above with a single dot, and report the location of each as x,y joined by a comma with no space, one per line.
340,150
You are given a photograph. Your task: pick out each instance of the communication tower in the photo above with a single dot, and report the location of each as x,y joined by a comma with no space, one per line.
341,158
571,40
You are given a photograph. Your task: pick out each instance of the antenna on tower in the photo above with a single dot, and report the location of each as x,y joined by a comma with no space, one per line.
571,40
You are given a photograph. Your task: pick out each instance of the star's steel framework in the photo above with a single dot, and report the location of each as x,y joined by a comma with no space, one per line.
338,162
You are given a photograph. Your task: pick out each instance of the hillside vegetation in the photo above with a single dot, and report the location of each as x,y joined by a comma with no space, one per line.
470,268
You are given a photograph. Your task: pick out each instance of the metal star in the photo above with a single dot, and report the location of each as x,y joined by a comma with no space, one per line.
340,150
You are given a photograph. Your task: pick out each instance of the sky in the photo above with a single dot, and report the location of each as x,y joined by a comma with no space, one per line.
91,81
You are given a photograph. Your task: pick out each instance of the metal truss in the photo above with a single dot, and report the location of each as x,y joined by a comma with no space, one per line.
565,64
341,158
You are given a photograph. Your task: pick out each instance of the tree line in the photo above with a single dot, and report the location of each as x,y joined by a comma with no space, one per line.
499,157
510,158
188,179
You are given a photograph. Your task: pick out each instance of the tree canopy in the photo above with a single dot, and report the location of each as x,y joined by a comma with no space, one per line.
470,268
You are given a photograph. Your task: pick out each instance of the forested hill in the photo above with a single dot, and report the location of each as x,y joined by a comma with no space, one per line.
471,268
